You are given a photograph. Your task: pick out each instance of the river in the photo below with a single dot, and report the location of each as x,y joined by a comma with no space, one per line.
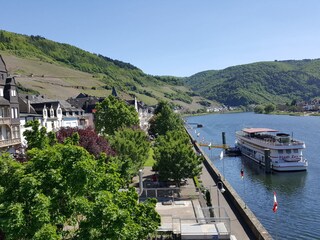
298,193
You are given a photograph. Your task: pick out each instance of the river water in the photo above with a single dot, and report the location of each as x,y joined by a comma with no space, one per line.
298,193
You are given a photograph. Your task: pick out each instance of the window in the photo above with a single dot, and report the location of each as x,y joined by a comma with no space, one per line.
295,150
1,92
13,93
280,151
15,112
288,151
12,112
16,132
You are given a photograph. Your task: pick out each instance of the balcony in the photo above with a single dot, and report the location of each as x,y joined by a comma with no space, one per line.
5,120
8,143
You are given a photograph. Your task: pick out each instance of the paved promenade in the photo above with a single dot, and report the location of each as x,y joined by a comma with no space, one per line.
189,189
237,229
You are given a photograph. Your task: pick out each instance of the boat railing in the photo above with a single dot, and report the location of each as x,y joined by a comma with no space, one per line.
272,141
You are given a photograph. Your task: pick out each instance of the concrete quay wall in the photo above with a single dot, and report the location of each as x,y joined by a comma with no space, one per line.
235,202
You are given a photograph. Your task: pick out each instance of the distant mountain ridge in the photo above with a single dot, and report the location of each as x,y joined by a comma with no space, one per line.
259,83
60,70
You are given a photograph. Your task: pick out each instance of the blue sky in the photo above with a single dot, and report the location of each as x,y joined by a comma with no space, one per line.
174,37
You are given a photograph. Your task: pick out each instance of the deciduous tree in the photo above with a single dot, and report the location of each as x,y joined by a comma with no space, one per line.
36,136
175,158
88,139
164,120
269,108
63,192
132,148
113,114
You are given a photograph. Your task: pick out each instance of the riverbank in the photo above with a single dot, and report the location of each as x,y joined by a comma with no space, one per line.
243,219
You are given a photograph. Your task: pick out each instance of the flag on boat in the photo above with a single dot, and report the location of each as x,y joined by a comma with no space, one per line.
221,155
209,146
275,203
241,173
198,135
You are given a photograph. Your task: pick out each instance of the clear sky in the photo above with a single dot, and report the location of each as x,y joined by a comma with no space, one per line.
174,37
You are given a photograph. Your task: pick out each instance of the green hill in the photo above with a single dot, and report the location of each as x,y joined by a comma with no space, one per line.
259,83
60,70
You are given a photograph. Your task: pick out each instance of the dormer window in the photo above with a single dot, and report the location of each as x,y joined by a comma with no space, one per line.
13,92
44,112
51,112
1,92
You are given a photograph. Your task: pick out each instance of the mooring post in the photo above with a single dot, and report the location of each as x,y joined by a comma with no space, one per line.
224,140
267,160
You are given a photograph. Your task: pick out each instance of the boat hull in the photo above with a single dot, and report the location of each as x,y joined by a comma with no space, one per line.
280,167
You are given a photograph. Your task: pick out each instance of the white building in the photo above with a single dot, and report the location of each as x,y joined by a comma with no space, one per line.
52,114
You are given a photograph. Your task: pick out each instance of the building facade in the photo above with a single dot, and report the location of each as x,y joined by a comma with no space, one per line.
52,114
9,111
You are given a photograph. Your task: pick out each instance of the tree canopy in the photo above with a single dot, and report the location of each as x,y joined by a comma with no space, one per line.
88,139
175,158
63,192
37,136
164,120
132,147
113,114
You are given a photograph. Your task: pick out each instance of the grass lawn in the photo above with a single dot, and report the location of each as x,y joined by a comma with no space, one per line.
150,161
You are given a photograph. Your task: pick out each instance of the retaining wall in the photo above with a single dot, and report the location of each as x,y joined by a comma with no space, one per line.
234,200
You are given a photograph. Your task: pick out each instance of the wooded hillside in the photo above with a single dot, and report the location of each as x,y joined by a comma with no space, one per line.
259,83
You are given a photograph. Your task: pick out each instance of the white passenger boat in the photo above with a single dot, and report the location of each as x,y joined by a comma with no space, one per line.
285,152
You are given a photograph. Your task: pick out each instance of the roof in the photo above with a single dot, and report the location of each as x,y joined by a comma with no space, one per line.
3,67
258,130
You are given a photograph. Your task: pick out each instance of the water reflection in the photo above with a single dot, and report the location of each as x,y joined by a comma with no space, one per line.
285,182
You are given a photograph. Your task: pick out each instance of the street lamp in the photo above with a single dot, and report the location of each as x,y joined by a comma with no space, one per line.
222,190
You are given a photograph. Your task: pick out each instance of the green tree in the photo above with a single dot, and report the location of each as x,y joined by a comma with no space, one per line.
113,114
132,147
175,158
63,192
269,108
164,120
37,136
259,109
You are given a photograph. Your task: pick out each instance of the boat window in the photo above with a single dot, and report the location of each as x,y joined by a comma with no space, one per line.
288,151
280,151
295,150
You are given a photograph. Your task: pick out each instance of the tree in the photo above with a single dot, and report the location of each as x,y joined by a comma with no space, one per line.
63,192
132,148
36,136
175,158
164,120
88,139
112,114
269,108
259,109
